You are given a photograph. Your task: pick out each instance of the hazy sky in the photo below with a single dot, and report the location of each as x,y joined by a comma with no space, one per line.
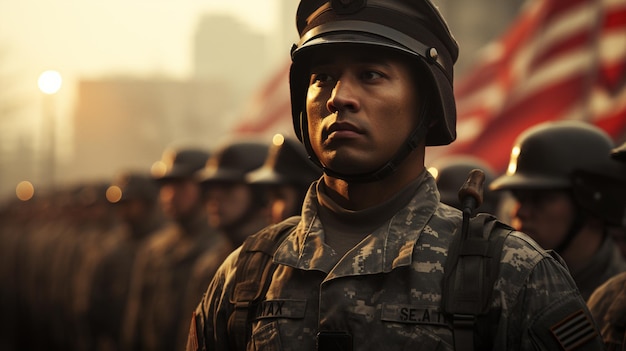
85,39
89,37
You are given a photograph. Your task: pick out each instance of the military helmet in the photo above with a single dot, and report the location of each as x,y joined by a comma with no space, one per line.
90,193
602,192
232,161
287,163
568,155
414,28
546,155
179,163
619,153
451,173
603,188
133,186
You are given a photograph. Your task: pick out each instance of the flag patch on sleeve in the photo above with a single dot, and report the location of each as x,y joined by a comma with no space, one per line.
574,330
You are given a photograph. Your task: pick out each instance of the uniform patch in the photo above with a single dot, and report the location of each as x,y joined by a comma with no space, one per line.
281,309
412,314
574,330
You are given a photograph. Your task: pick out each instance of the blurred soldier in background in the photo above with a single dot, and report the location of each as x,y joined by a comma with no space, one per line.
608,302
287,173
156,312
98,229
45,224
14,223
234,206
55,254
562,203
451,173
618,232
77,251
135,199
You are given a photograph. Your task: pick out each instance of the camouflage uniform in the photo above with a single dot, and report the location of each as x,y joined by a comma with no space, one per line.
387,290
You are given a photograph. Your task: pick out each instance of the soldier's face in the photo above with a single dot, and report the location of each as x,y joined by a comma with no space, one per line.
284,202
361,105
226,203
179,198
545,215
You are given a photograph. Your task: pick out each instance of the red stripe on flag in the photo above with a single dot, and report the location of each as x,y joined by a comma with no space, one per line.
615,18
563,47
495,142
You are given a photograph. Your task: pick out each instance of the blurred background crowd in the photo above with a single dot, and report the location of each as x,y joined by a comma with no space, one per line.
121,265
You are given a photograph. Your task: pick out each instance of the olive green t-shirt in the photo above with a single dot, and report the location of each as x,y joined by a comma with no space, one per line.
345,228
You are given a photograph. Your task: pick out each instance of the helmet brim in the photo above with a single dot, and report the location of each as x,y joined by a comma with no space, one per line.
619,153
528,182
206,176
265,175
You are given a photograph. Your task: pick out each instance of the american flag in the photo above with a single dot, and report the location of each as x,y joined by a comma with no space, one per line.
559,59
269,110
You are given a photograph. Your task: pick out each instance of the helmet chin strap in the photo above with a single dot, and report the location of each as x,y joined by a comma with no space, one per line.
411,142
575,226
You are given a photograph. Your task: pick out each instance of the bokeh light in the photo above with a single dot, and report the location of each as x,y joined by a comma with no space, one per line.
25,190
50,82
278,139
114,194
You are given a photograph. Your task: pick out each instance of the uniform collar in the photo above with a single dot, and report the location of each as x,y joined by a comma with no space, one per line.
387,247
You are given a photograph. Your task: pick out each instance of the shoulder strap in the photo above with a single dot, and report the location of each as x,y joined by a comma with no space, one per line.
252,277
470,273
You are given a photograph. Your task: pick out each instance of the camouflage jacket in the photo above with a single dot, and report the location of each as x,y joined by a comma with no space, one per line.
386,291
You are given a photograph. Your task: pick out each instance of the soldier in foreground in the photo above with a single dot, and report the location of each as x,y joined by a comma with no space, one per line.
362,268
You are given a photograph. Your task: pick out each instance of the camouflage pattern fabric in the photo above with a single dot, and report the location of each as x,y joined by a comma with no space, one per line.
386,292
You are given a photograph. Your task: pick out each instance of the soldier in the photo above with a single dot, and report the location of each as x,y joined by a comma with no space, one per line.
562,202
618,232
77,251
134,196
608,302
234,206
363,267
158,308
287,173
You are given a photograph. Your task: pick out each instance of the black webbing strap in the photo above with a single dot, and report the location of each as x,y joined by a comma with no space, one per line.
252,278
470,274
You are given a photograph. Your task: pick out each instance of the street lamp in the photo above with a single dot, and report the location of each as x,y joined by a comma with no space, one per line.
49,83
